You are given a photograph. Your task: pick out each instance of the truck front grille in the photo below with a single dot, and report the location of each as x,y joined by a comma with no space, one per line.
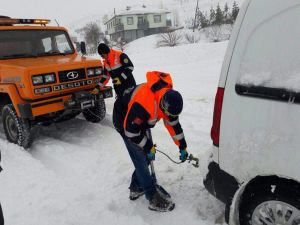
71,75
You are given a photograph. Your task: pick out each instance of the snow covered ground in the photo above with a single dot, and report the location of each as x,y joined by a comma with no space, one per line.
78,173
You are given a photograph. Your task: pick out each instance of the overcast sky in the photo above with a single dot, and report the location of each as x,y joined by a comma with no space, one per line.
66,12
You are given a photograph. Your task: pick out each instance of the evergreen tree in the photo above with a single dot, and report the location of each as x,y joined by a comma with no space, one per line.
218,16
226,14
235,11
203,20
212,16
196,22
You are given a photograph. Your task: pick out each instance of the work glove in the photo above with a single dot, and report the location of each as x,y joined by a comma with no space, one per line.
116,81
151,153
183,155
95,91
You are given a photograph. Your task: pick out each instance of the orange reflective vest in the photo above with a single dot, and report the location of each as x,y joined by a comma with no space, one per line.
119,67
113,61
110,64
148,96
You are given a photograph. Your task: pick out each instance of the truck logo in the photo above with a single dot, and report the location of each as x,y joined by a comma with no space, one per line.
75,84
72,75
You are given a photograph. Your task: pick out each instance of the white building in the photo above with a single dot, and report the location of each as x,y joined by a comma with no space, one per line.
131,24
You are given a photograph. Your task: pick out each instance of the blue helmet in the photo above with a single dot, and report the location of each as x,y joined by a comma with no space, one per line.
172,103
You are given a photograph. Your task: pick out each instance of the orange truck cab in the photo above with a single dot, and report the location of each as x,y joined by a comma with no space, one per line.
43,79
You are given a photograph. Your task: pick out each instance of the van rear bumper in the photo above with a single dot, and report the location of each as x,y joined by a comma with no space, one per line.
220,184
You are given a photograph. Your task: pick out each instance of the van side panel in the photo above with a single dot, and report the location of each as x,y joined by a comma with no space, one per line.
260,135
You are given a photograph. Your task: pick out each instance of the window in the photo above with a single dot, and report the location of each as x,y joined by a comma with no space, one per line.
129,20
62,43
269,65
157,18
140,20
28,43
271,58
47,44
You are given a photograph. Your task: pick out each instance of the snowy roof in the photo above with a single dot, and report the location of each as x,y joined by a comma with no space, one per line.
138,11
141,11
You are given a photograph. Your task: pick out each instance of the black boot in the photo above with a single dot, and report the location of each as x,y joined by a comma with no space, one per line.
134,194
160,204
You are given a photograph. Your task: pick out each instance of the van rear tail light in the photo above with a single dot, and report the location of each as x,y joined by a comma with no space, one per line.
215,129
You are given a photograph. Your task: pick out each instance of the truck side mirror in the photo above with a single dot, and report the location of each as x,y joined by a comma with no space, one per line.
82,48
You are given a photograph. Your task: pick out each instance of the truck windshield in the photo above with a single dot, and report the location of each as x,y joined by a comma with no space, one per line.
34,43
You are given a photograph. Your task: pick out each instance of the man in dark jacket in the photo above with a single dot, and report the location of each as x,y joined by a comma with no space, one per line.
118,67
147,104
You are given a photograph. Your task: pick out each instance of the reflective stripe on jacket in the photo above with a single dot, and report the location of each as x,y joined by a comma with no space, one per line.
113,61
144,111
119,67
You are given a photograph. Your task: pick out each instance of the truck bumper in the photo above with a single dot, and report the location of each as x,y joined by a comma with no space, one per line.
76,101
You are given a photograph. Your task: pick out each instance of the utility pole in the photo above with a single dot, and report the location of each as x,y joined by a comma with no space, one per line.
195,15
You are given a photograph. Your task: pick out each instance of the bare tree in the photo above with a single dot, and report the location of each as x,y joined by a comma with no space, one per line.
192,38
218,33
189,23
105,18
214,33
92,35
120,44
176,18
170,38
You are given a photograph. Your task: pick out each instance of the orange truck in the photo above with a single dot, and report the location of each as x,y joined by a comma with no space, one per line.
43,79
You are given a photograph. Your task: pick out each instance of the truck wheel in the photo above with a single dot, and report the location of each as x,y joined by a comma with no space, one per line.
96,113
17,130
274,205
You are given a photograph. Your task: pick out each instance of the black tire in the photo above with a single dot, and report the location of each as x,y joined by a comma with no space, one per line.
1,216
96,113
17,130
260,205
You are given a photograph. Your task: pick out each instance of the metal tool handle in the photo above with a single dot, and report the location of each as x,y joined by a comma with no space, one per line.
153,171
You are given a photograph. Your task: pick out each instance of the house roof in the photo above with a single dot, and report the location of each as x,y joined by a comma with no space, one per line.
141,11
138,11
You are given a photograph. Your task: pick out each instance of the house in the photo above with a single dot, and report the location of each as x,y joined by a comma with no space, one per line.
132,24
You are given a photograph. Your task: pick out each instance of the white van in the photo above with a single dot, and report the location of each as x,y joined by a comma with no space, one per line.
255,165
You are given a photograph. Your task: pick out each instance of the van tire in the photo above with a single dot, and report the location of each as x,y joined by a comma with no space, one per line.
1,215
97,113
281,195
17,130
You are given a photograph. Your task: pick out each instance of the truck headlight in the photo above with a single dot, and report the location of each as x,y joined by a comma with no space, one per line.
91,72
46,78
36,80
94,71
49,78
98,71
